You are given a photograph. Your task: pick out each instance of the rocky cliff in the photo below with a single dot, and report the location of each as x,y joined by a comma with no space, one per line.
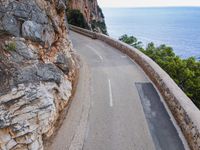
91,12
36,71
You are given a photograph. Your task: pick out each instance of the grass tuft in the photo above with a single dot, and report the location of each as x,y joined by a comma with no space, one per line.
10,46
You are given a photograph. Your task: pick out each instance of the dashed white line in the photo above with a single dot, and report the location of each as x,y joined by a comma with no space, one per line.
96,52
110,93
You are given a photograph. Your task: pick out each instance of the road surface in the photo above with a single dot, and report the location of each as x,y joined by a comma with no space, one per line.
126,112
117,119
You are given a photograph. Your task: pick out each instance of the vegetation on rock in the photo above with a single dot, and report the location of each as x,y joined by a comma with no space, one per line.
10,46
75,17
37,69
185,72
86,14
100,25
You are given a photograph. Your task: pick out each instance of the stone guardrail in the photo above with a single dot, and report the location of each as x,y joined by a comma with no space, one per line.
82,31
183,109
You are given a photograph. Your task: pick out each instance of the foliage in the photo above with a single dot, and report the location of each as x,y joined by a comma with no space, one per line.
185,72
131,40
10,46
75,17
101,25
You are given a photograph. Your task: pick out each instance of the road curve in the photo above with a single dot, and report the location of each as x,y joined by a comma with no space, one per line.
120,111
126,111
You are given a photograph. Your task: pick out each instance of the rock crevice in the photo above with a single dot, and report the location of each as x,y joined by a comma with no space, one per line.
36,71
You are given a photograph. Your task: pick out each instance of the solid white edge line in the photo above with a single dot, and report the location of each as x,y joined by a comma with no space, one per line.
110,93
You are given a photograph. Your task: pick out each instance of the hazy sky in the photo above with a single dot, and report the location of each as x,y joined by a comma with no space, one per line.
147,3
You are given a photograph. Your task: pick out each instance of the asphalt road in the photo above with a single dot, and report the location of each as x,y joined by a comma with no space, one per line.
126,112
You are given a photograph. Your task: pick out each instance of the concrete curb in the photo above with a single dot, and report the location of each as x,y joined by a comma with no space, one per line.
182,108
78,139
71,134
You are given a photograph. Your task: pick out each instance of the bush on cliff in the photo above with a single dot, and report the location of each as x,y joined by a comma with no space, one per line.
10,46
131,40
75,17
98,24
185,72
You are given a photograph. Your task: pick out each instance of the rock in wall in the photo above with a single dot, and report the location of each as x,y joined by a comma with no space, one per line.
36,71
92,13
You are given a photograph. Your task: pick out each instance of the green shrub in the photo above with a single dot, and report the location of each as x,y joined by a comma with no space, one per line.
185,72
75,17
10,46
101,25
131,40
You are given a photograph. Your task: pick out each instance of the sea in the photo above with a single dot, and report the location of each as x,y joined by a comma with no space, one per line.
177,27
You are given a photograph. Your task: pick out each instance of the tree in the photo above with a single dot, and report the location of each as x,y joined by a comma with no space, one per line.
185,72
131,40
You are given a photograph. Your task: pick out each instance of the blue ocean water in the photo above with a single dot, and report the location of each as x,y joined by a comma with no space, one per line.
178,27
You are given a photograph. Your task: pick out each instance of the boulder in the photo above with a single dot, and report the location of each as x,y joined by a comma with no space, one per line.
62,62
10,25
48,72
26,52
37,32
33,31
37,73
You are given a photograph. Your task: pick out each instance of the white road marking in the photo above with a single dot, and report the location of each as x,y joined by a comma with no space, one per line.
110,93
123,56
96,52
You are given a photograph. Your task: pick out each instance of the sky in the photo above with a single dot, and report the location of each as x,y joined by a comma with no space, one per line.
147,3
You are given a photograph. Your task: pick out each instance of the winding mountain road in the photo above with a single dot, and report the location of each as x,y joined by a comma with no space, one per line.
126,111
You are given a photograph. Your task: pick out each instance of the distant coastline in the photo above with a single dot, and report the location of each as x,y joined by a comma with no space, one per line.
140,7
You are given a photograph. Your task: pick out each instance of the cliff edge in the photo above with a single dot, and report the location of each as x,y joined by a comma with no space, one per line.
93,17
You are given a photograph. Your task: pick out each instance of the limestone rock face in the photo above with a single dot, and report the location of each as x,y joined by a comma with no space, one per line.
36,32
92,13
89,8
36,71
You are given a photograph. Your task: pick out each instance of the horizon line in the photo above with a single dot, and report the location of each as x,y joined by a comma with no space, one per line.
150,6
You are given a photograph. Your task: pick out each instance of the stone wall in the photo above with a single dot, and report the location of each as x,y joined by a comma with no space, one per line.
185,112
36,71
